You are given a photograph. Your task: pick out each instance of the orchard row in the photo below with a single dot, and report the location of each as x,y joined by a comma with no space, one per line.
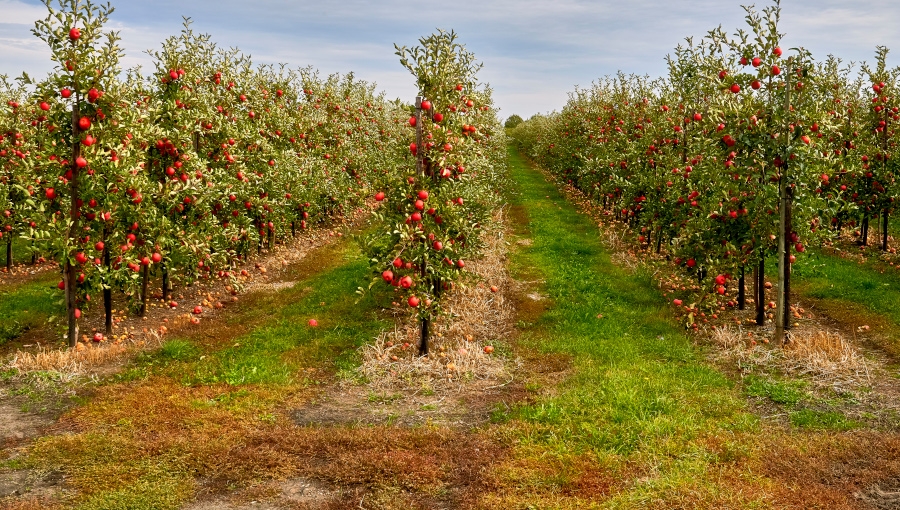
744,151
122,177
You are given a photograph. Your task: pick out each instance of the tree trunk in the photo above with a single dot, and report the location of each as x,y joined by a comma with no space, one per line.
884,230
420,169
107,287
783,320
760,277
742,291
73,233
423,345
785,195
165,283
145,282
9,254
864,229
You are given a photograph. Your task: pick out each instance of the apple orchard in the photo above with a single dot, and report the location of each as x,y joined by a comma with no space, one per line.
746,153
131,182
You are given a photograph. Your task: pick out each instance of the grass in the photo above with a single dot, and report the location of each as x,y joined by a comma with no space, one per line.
21,251
28,305
866,293
622,412
788,393
177,413
638,389
829,420
641,420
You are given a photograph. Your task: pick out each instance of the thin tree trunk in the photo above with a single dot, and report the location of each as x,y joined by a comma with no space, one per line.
760,277
884,230
9,254
420,169
107,287
166,285
73,233
742,291
145,283
864,229
785,194
785,267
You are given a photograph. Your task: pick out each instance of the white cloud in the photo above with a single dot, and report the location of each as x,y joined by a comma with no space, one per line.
535,51
21,13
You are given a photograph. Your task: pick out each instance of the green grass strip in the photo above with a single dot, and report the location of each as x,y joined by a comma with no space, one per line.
639,387
28,305
855,291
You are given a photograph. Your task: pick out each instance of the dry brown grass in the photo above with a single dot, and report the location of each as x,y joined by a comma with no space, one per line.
435,467
827,357
475,317
823,351
68,362
827,470
29,504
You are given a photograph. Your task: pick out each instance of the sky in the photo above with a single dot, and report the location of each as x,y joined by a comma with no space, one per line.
534,51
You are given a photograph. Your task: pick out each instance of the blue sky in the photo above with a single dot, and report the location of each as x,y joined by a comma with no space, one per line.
534,51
